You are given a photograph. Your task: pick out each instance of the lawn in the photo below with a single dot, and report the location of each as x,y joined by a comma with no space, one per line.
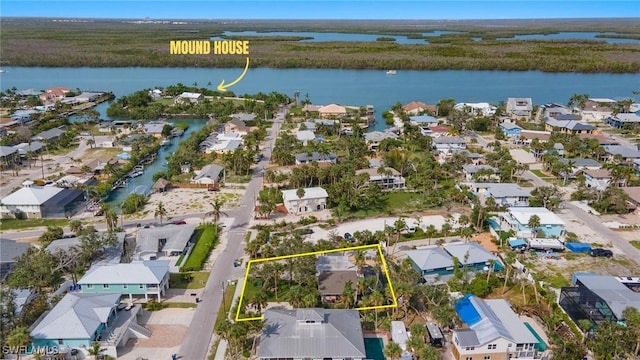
540,174
635,243
15,224
226,303
198,280
206,240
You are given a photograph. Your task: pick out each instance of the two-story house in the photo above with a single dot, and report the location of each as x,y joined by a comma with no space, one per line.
139,278
597,109
485,173
311,199
386,177
623,121
449,144
518,219
308,158
510,129
374,138
504,194
519,107
598,179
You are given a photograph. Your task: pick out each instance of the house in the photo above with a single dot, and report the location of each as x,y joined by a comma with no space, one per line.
633,192
189,98
448,144
623,121
494,331
29,93
111,254
580,164
476,158
22,298
504,194
400,336
307,158
598,179
332,111
436,265
556,149
602,140
210,174
597,298
49,136
476,109
417,108
374,138
510,129
554,109
154,128
9,156
243,117
334,272
11,251
36,202
54,94
437,131
628,154
328,334
222,142
527,136
237,125
597,109
568,126
313,199
518,219
23,116
519,107
168,240
135,278
387,178
161,185
485,173
305,136
423,120
96,166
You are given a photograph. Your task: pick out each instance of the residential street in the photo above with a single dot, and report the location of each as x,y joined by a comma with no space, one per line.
198,338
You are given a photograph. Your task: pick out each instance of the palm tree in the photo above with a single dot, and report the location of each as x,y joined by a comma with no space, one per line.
392,351
534,224
95,350
160,211
300,194
216,211
110,216
18,337
91,143
399,226
75,226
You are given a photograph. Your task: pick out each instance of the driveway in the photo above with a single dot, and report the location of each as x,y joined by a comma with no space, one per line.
522,156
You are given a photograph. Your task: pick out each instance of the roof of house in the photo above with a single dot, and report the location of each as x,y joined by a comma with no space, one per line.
176,238
522,215
161,183
570,124
617,296
424,119
378,136
332,109
76,316
521,104
238,123
333,282
430,258
496,319
449,140
110,255
11,249
154,127
305,135
565,117
141,272
476,253
509,126
472,169
626,117
334,263
624,151
598,173
467,337
7,150
315,156
34,195
49,134
439,129
558,146
312,333
34,146
190,95
602,140
211,171
309,193
373,172
417,105
502,190
532,134
633,192
29,92
580,162
242,117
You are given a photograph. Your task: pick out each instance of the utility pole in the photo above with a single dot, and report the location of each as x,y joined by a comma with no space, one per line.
224,301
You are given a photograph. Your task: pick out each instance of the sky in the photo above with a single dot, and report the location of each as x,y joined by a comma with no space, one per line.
336,9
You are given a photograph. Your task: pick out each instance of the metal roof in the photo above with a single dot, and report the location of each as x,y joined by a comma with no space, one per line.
431,258
34,195
305,135
309,193
476,253
502,190
617,296
11,249
523,214
143,272
176,238
580,162
211,171
311,333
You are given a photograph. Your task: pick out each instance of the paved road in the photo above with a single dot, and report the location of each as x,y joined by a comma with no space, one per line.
198,337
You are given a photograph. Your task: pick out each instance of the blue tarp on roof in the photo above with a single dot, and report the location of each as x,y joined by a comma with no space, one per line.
517,243
578,247
466,311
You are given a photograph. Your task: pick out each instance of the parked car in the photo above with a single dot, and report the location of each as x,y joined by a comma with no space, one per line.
179,222
601,252
348,236
307,231
213,188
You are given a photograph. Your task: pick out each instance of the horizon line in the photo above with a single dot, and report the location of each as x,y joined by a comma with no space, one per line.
318,19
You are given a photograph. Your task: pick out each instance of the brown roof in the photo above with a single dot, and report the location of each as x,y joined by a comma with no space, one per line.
414,105
162,183
534,135
634,194
599,173
602,140
439,129
333,282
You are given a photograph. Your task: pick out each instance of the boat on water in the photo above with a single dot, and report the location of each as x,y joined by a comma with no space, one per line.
136,174
391,72
2,71
165,142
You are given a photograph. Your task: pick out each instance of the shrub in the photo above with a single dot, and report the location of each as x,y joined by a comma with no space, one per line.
206,240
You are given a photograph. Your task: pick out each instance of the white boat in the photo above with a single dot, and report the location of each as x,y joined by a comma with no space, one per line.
2,71
136,174
391,72
165,142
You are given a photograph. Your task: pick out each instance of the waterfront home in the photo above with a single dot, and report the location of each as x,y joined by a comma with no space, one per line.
597,109
485,173
627,153
332,111
386,177
164,241
49,136
11,251
137,278
597,298
305,136
334,272
189,98
580,164
27,93
598,179
554,109
518,220
54,94
519,107
96,166
243,117
35,202
237,125
417,108
449,144
423,120
623,121
374,138
23,116
313,199
567,126
161,185
110,254
504,194
86,96
510,129
308,158
493,331
154,128
476,109
329,334
210,175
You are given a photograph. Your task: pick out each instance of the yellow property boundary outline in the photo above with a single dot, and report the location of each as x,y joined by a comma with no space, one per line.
383,263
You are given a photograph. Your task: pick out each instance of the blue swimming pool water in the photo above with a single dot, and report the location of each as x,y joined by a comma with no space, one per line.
541,344
494,224
374,347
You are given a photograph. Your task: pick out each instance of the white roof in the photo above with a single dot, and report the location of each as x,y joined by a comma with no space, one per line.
602,100
305,135
472,251
34,195
144,272
309,193
523,214
332,109
399,334
190,95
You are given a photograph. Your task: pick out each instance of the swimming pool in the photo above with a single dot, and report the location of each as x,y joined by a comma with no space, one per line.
494,224
541,346
374,347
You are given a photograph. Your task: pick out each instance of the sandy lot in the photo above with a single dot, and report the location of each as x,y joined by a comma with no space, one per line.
184,201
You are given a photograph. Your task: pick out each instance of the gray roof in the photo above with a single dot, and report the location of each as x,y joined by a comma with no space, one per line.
449,140
110,255
49,134
7,150
519,104
139,272
311,333
154,127
315,156
580,162
211,171
430,258
558,146
334,263
11,249
499,320
176,237
29,92
625,151
34,195
472,169
477,253
502,190
243,117
617,296
626,117
34,146
378,136
467,337
569,124
76,316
